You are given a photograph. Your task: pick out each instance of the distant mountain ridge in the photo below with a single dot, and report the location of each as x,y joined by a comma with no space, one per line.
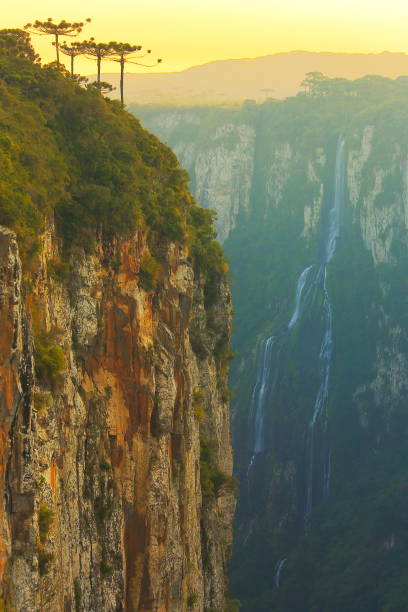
234,80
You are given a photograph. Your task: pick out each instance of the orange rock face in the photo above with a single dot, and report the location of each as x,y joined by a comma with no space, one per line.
100,462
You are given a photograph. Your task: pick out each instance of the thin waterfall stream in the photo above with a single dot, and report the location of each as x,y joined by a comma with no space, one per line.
279,568
326,350
312,302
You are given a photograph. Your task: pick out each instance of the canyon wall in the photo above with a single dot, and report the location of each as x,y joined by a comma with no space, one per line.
104,509
319,384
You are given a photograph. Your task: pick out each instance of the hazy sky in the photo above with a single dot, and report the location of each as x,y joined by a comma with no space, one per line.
188,32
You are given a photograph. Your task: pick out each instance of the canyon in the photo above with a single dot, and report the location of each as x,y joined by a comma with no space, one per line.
316,236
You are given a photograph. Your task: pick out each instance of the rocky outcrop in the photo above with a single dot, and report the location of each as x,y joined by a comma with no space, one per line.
379,193
222,173
107,390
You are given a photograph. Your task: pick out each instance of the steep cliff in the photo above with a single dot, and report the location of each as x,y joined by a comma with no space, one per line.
319,259
115,328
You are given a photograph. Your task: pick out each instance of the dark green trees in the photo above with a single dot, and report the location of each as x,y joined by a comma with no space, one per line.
17,43
95,170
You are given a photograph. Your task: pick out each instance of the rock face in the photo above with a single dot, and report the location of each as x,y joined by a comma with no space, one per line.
288,556
220,160
103,507
222,173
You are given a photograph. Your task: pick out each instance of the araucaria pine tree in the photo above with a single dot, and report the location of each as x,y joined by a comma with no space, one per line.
99,51
125,52
72,50
61,29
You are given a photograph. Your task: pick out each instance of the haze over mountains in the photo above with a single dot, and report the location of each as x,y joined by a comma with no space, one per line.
235,80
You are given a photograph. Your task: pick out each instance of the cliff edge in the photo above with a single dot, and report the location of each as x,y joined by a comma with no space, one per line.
114,345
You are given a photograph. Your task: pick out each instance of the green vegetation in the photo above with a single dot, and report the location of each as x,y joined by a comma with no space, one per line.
106,568
117,52
205,249
49,359
213,481
345,561
58,269
68,153
45,520
105,465
44,560
77,595
192,599
223,356
150,272
199,405
232,605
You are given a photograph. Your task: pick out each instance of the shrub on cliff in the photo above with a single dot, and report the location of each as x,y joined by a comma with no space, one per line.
45,520
213,480
49,359
149,272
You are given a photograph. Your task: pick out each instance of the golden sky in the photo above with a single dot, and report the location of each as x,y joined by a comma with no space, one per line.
190,32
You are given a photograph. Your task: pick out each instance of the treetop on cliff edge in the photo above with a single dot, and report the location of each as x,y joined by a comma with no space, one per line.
68,153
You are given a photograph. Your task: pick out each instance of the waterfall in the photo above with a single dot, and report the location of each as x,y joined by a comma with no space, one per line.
323,392
257,412
267,375
298,298
327,476
279,568
311,297
335,211
259,395
326,350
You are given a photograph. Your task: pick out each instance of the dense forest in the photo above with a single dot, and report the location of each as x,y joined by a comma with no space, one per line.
70,153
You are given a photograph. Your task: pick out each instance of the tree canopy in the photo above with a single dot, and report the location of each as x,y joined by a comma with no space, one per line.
56,29
72,50
17,43
120,52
